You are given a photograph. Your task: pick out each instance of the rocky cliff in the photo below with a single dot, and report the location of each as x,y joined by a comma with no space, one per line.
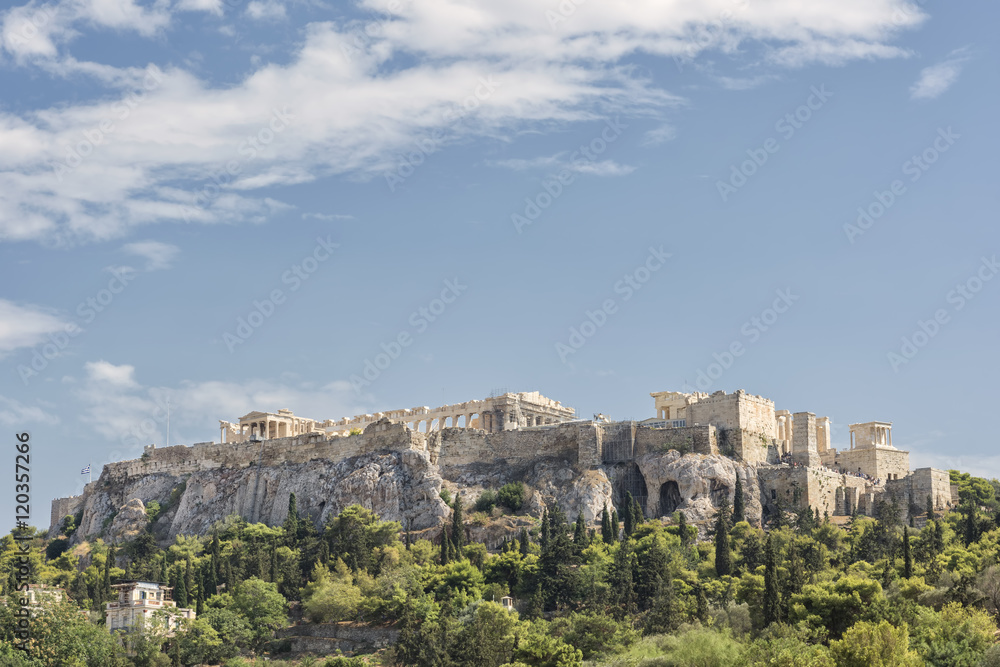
403,483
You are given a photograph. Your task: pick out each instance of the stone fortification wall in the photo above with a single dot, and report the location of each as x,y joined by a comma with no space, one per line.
701,439
466,446
738,410
922,482
181,460
881,463
818,488
61,507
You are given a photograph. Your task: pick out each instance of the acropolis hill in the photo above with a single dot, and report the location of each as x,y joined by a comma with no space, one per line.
686,457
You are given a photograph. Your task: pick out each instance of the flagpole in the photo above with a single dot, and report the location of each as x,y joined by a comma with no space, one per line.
168,422
90,471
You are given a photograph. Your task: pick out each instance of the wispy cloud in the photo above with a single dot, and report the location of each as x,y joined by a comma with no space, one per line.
936,79
327,216
26,325
562,161
158,255
266,10
660,135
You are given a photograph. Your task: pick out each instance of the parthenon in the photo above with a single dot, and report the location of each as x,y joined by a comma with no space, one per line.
505,412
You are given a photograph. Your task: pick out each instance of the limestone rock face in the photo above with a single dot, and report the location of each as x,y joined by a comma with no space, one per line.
398,486
696,484
130,521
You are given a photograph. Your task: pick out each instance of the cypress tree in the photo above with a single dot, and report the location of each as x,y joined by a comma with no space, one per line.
208,575
772,604
525,542
230,579
702,609
615,524
606,535
639,517
180,592
682,529
163,568
445,544
291,524
662,616
580,532
739,502
938,537
930,508
544,541
907,557
629,516
201,592
723,557
274,563
188,577
457,527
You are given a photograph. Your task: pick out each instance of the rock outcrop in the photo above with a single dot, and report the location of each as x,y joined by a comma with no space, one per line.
400,477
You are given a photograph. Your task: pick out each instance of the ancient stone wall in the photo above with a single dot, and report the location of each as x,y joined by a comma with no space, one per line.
913,489
464,446
701,439
819,489
61,507
880,463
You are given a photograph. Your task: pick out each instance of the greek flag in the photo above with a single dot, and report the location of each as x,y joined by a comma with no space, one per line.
85,471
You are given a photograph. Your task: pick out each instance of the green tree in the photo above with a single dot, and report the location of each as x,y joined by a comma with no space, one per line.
606,535
772,603
739,501
874,645
264,608
525,542
682,529
291,524
615,524
723,557
663,615
457,527
445,546
180,589
580,533
907,556
930,508
629,514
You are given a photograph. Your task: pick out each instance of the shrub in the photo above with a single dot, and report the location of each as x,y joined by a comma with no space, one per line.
486,502
446,496
511,496
152,510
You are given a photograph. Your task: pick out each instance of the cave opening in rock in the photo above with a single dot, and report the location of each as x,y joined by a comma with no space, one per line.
670,498
630,480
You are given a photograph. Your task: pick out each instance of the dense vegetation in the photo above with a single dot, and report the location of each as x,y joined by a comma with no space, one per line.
627,592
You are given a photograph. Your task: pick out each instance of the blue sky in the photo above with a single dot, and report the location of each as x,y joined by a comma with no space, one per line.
593,200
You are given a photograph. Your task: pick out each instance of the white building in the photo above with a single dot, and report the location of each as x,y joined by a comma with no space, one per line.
137,600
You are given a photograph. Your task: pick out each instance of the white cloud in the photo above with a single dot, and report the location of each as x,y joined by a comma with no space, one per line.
26,326
130,414
936,79
158,255
17,415
327,216
561,161
660,135
106,372
425,64
266,10
211,6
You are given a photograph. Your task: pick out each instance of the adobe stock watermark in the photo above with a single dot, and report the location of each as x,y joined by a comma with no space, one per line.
247,151
87,310
915,167
28,27
419,321
751,332
96,135
553,186
786,126
958,298
627,287
407,164
264,309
